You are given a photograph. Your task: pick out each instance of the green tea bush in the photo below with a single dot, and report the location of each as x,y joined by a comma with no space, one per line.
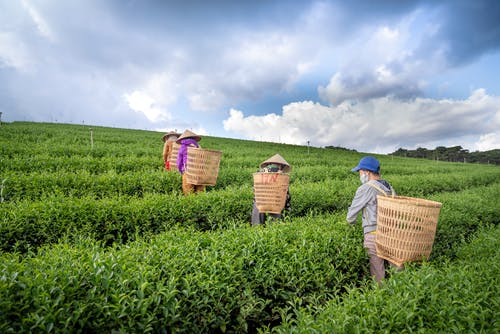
454,297
182,280
25,224
42,185
99,239
462,215
135,177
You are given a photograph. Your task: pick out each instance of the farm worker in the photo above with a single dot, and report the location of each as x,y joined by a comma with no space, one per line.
187,139
169,139
275,164
365,200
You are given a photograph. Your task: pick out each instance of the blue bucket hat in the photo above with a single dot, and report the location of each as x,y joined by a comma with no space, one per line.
368,163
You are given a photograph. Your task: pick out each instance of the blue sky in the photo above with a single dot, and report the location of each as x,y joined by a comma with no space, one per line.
367,75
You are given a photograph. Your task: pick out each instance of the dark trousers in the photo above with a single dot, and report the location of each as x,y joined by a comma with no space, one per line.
259,218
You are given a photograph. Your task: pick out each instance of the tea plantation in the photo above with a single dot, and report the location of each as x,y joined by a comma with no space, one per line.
96,237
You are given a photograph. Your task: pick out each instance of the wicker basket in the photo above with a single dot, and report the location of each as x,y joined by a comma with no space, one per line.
173,156
406,228
270,191
202,166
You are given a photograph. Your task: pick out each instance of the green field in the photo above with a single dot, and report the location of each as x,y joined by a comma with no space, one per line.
97,237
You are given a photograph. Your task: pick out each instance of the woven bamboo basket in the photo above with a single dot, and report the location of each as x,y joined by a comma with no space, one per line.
406,228
270,191
202,166
173,156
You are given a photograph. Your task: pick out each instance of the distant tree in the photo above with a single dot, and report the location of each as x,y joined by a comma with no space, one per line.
452,154
421,153
340,148
440,153
400,152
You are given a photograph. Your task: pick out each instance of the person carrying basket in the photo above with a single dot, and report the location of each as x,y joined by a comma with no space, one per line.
187,139
365,201
275,164
168,139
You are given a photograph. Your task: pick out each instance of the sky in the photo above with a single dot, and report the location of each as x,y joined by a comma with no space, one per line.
373,76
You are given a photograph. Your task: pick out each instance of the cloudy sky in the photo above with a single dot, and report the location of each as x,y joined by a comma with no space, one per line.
367,75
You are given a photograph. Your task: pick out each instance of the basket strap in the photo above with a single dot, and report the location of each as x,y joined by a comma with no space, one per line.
380,189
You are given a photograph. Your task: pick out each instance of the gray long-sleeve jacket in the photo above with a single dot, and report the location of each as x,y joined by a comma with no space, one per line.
366,200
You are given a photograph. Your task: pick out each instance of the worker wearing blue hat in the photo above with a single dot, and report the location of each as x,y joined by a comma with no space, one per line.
365,201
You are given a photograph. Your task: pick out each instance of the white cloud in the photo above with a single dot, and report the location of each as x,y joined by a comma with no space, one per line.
262,128
143,103
489,141
162,88
40,22
206,99
13,52
157,92
380,125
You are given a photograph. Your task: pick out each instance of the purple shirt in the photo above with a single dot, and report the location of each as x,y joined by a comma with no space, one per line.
182,155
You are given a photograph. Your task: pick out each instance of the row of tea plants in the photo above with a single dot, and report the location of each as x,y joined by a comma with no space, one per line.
100,239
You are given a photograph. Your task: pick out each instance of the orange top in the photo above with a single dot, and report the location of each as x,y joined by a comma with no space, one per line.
167,150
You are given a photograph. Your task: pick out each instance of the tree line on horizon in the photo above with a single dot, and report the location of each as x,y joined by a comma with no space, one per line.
451,154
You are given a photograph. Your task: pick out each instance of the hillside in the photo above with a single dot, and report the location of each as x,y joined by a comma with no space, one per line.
96,237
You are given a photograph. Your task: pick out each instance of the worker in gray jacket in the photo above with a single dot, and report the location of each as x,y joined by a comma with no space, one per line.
365,200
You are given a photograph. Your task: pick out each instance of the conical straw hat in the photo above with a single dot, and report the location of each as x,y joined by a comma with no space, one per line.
277,159
168,134
188,134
